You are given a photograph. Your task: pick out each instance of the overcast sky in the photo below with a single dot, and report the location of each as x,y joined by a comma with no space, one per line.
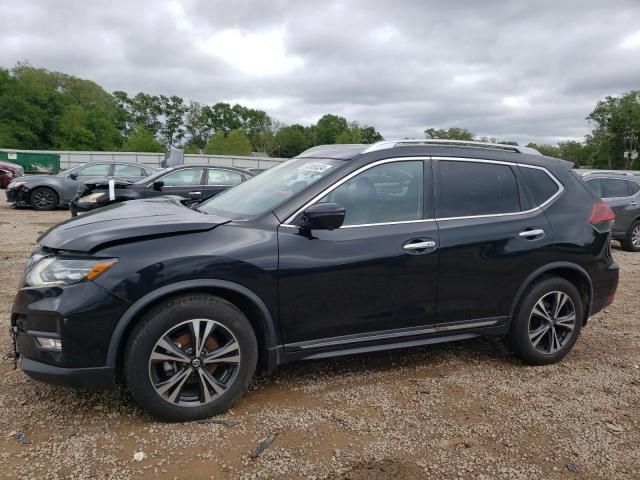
523,70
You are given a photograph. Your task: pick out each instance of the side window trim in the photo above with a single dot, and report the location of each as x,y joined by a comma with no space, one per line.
498,162
427,173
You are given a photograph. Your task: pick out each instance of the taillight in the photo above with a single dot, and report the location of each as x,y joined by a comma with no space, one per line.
602,217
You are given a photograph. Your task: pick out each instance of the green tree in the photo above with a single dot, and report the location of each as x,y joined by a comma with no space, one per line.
545,149
172,129
371,135
613,119
453,133
291,141
141,140
235,143
328,128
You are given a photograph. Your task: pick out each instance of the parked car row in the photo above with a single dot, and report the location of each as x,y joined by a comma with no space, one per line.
341,250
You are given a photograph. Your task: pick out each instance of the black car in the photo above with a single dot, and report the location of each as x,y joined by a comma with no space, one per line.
621,191
342,250
192,182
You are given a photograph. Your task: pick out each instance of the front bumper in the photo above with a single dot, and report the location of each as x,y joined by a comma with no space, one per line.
90,378
82,316
19,196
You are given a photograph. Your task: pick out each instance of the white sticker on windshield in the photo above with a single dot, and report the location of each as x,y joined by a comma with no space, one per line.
317,167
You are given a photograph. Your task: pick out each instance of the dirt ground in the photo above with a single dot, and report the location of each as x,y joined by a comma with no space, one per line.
459,411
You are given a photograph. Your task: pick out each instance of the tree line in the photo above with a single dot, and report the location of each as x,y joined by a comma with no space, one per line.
44,110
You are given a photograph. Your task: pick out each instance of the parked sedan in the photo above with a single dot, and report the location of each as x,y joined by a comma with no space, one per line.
192,182
46,192
9,171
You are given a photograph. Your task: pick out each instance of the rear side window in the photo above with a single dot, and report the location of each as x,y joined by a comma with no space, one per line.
128,171
595,186
635,188
612,187
473,188
540,184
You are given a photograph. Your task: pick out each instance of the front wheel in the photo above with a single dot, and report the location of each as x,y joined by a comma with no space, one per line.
631,241
43,198
191,357
547,322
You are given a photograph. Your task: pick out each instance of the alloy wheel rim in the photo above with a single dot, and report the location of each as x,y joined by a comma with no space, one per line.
635,236
194,362
43,199
552,322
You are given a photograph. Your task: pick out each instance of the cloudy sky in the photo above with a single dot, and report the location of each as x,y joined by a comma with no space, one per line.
523,70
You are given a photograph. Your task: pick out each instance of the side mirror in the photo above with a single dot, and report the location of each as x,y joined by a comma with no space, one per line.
157,186
73,176
323,216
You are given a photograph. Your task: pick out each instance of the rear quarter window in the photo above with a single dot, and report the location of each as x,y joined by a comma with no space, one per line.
539,183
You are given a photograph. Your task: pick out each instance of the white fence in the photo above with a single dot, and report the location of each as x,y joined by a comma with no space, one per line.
70,159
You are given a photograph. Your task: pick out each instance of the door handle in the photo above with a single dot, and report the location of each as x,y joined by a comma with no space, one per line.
532,233
194,193
417,246
634,203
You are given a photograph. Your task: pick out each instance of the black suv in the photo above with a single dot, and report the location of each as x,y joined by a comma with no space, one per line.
621,191
344,249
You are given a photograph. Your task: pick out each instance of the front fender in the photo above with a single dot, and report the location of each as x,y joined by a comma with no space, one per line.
266,320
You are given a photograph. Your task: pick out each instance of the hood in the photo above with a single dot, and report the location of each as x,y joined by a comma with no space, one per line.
126,221
29,178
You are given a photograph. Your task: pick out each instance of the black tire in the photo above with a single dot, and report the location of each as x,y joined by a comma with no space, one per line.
43,198
528,338
631,240
174,319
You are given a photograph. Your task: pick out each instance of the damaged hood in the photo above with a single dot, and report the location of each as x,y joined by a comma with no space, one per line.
126,221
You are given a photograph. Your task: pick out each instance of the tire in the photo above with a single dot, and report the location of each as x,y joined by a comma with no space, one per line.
206,384
531,336
43,198
631,241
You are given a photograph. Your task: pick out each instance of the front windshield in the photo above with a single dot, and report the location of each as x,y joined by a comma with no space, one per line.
153,176
272,187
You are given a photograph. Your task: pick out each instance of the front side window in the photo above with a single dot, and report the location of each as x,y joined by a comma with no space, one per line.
96,170
223,177
475,188
271,188
391,192
184,177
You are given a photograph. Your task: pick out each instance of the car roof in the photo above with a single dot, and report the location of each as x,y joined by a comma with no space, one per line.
446,148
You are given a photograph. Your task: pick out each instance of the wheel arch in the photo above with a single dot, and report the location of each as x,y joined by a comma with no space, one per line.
51,187
246,300
572,272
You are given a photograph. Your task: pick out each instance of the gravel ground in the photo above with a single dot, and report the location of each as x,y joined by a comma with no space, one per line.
462,411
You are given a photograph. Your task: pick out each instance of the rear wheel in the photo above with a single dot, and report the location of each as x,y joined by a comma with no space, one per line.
43,198
631,241
547,322
191,357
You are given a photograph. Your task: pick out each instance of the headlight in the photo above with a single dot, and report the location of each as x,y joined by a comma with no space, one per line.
93,198
58,271
16,184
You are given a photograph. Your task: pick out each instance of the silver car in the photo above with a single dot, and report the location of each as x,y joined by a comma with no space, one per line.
46,192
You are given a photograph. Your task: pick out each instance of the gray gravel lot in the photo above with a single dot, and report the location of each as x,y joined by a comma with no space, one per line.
465,410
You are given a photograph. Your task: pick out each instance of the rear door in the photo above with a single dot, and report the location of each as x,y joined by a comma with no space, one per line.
374,278
492,237
218,180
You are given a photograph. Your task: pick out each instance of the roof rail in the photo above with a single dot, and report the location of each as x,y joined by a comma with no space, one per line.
609,172
385,144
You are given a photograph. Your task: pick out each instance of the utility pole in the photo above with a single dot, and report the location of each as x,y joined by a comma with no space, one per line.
630,147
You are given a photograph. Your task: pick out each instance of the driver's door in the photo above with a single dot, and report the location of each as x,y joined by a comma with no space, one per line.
366,281
186,182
